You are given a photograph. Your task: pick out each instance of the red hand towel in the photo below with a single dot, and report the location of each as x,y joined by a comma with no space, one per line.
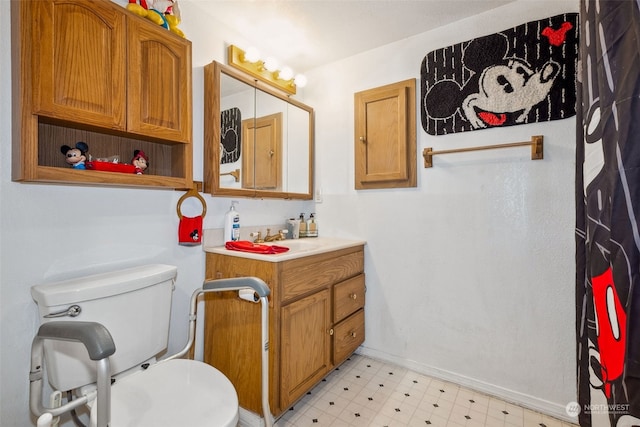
190,231
247,246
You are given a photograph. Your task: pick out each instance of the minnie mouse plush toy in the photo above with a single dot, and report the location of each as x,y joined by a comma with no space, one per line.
140,161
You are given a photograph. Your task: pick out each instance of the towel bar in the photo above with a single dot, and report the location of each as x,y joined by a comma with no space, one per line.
536,143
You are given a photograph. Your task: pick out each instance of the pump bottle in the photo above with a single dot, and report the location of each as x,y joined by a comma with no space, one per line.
232,224
312,226
303,226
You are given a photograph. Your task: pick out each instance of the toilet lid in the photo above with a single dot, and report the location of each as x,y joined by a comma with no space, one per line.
174,393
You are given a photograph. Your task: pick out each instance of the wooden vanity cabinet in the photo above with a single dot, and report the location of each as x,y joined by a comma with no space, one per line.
316,320
89,70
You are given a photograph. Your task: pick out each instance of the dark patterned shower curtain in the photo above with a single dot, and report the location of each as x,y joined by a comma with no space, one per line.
608,214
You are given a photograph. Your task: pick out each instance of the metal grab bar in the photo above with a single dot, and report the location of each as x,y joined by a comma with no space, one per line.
99,343
238,284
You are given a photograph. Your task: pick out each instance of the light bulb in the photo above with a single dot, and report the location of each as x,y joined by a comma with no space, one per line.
271,64
285,74
252,55
300,80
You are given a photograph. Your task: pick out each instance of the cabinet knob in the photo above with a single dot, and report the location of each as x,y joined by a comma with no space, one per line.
353,296
352,334
330,331
363,139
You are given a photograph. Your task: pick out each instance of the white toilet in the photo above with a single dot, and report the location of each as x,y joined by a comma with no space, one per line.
134,305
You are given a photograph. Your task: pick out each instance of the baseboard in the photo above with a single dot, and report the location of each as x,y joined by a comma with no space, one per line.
251,419
526,401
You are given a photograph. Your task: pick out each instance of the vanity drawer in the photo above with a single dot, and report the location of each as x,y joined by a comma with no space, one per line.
305,275
347,336
348,297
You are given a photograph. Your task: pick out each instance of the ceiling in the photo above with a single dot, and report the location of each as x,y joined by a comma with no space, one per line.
304,34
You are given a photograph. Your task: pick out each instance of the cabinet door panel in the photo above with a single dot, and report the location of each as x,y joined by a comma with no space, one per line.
75,74
385,134
159,95
305,342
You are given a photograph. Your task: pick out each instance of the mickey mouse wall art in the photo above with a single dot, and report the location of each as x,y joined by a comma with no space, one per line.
522,75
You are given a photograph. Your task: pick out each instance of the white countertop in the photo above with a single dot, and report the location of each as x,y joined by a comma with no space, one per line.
303,247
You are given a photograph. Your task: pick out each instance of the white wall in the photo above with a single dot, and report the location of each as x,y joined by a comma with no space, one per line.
470,276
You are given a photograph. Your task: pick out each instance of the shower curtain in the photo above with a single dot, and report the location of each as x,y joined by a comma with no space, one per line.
608,215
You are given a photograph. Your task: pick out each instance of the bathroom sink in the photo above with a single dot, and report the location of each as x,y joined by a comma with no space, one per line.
297,245
297,248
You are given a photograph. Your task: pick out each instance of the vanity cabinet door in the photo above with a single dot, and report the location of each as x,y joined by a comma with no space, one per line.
79,62
305,345
159,82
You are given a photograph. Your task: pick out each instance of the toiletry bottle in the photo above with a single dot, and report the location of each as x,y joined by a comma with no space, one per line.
293,228
312,226
232,224
303,226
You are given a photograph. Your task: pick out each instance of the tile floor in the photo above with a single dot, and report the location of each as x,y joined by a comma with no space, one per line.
370,393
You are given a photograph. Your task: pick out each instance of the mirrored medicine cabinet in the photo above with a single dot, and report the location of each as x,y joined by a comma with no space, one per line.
258,142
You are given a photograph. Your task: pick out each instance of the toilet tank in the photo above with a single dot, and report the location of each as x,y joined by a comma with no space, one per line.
133,304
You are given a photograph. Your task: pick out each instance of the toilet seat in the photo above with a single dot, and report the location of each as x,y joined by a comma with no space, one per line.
174,393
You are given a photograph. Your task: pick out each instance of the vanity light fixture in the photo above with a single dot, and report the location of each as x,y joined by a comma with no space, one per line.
266,71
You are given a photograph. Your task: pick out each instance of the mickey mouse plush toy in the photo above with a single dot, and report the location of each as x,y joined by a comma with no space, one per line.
76,156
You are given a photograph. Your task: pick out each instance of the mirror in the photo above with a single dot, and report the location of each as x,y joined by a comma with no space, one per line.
258,142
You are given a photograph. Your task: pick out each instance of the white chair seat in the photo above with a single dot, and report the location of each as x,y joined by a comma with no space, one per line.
174,393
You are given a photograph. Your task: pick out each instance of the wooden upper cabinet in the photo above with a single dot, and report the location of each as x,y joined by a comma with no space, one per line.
79,67
159,83
91,71
111,70
385,136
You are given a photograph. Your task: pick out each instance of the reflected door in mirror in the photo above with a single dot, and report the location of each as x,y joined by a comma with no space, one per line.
262,140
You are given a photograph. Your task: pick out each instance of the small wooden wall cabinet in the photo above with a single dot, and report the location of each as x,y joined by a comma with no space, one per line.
316,320
385,136
91,71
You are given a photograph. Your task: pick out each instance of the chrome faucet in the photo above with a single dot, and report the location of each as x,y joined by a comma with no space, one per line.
279,236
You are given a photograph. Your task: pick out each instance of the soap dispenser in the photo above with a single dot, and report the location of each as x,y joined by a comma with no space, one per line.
312,226
303,226
232,224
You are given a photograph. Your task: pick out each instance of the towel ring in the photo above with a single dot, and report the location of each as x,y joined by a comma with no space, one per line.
191,193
